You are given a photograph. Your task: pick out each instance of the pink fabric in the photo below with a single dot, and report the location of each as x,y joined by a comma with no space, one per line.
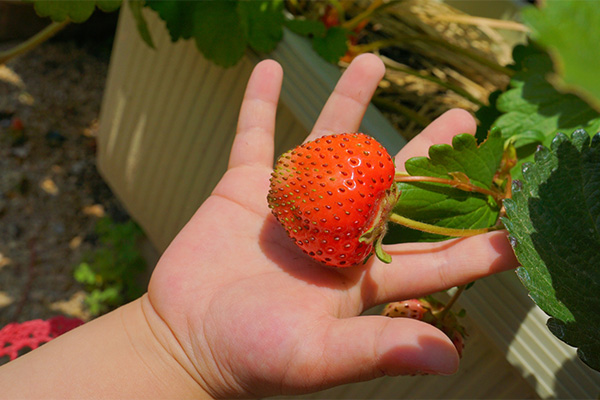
31,334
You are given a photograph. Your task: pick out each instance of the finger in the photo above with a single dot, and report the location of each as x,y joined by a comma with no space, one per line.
418,269
253,143
367,347
346,106
442,130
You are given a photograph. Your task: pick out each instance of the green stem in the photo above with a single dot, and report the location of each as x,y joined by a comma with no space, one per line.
456,89
465,186
438,230
444,311
33,41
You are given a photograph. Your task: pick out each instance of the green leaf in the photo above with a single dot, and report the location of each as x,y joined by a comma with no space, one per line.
136,10
218,32
333,45
76,11
108,5
57,10
570,30
262,22
554,221
214,25
306,27
83,273
178,16
444,205
533,105
479,163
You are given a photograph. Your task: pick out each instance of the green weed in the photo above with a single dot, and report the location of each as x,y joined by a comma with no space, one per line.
110,273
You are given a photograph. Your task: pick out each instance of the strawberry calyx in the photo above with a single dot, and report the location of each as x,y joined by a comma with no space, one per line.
375,234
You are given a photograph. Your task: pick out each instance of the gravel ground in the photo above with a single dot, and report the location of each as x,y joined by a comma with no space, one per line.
50,191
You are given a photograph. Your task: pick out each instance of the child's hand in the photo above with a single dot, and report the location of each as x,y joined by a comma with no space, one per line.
246,313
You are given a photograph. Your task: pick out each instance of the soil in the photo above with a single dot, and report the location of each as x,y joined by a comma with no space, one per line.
51,194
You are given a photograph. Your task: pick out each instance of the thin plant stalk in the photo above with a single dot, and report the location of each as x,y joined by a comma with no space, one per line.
33,41
466,186
459,290
438,230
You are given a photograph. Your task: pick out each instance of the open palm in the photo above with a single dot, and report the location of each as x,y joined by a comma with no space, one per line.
253,316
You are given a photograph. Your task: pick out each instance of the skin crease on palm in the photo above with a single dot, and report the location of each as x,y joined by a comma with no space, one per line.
246,313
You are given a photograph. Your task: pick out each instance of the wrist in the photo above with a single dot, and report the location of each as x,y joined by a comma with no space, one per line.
160,353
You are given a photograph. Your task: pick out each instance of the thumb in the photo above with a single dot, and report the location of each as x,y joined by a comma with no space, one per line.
367,347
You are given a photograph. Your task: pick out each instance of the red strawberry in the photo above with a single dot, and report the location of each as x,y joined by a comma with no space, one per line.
333,196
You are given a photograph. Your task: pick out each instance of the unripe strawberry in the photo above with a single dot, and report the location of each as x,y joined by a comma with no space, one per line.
333,196
413,308
432,312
